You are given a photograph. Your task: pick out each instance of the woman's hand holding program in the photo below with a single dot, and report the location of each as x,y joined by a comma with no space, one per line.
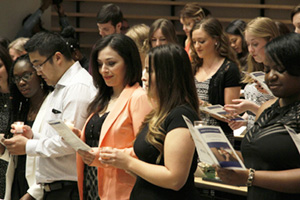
232,177
115,157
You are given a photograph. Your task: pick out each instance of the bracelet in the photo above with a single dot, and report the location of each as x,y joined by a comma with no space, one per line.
250,177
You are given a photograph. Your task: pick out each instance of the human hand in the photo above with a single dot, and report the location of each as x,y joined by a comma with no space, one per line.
203,103
233,177
76,131
236,124
114,157
87,156
27,196
16,145
239,106
27,132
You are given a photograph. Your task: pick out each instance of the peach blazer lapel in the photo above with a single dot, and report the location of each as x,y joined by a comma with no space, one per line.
116,111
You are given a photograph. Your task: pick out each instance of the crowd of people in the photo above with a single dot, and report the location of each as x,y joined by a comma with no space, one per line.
126,102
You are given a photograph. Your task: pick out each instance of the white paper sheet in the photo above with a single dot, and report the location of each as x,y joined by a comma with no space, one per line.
64,131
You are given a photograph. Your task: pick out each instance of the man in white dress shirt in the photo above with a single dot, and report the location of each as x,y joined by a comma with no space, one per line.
73,91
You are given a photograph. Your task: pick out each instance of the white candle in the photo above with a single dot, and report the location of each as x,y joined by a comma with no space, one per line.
19,126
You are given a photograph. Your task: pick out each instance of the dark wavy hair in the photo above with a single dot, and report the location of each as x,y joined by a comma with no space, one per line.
128,50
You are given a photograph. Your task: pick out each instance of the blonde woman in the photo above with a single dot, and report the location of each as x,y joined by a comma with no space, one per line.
139,34
258,32
16,48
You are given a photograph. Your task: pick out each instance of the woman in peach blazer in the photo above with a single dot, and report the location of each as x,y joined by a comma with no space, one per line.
122,104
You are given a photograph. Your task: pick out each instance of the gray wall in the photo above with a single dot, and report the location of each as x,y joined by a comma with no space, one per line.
12,12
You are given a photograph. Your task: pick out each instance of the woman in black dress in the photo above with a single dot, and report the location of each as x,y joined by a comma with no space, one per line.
167,158
267,148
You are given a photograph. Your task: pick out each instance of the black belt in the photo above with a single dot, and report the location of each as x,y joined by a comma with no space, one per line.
57,185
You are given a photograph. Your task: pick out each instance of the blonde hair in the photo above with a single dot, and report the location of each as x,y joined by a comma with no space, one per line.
18,44
139,34
260,27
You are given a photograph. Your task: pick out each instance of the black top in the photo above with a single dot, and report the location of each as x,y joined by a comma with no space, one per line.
228,75
92,135
4,116
268,146
148,153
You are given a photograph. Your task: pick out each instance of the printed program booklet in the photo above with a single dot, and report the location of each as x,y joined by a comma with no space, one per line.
213,146
64,131
259,76
217,111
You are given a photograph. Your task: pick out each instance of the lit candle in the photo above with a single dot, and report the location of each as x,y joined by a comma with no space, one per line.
19,126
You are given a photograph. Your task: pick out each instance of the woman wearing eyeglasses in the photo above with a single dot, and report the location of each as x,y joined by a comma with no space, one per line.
27,92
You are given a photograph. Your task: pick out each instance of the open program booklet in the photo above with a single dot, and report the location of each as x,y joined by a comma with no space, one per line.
64,131
217,111
259,76
213,147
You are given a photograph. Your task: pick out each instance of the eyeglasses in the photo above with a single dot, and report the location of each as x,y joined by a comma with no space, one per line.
39,67
25,77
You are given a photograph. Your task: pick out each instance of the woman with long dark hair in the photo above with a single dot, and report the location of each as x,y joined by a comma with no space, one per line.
116,114
167,158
